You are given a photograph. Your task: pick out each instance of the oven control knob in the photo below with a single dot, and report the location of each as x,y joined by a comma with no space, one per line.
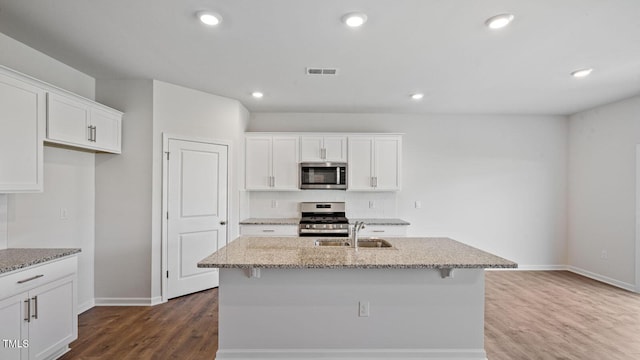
307,226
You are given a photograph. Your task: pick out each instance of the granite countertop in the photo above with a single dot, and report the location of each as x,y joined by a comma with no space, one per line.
300,253
270,221
14,259
380,221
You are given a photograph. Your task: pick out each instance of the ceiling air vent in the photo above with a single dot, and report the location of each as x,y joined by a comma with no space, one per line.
322,71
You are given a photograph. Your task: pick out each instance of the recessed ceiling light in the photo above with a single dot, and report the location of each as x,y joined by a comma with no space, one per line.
354,19
257,94
499,21
209,18
417,96
581,73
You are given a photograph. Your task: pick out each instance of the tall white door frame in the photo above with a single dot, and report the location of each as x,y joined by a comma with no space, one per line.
165,194
638,218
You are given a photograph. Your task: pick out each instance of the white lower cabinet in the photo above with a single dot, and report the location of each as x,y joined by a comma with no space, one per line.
269,230
383,230
39,323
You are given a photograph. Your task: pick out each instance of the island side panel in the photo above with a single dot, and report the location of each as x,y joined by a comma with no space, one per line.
306,313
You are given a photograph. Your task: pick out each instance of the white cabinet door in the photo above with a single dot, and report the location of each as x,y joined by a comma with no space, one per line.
107,132
271,162
285,163
323,148
387,163
79,122
269,230
360,163
68,120
375,163
335,148
311,148
14,330
258,162
22,126
54,321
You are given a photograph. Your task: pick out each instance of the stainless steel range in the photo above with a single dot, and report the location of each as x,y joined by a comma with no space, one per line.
323,219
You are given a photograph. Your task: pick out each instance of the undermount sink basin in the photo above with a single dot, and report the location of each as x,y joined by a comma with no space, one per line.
363,243
373,243
332,242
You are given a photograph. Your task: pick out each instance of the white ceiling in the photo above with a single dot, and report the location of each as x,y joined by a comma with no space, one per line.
439,47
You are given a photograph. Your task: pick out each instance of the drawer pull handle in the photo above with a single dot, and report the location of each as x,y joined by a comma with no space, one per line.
28,304
35,306
29,279
378,231
268,230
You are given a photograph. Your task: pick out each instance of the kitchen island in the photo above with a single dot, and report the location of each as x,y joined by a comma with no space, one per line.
287,298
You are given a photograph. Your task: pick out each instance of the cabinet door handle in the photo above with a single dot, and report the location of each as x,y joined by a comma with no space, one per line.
28,304
29,279
90,133
95,133
35,307
375,181
223,222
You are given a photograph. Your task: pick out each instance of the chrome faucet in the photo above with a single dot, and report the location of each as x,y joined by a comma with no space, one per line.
359,225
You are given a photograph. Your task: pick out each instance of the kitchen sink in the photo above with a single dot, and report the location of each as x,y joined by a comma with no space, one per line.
373,243
363,243
332,242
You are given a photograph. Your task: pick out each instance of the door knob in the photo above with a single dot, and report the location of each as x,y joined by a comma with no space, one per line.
223,222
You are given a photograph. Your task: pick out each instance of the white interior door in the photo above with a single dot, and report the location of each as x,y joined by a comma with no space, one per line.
197,213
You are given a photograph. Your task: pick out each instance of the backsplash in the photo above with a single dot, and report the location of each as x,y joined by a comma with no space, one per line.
277,204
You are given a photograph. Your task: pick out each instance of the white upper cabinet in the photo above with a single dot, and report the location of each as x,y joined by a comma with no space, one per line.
323,148
375,162
78,122
22,127
271,162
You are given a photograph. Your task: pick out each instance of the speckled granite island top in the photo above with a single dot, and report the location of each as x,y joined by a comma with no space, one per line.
14,259
300,252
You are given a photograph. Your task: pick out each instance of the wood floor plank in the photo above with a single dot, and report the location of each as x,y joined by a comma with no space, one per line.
537,315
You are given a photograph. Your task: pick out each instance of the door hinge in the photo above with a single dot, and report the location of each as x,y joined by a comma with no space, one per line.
167,274
166,152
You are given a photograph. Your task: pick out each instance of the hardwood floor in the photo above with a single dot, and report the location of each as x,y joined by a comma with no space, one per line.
535,315
559,315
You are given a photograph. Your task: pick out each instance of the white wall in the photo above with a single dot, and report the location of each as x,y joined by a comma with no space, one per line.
495,182
602,191
123,198
129,186
33,220
190,113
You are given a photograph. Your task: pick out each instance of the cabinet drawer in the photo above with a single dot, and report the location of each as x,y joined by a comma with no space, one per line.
384,230
269,230
33,276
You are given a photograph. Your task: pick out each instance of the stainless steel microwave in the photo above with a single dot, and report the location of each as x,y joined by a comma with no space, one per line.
323,175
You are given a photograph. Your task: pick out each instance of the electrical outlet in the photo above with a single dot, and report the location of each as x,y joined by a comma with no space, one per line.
418,204
64,214
604,255
274,204
363,309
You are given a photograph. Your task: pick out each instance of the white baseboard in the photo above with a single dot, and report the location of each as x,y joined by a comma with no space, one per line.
602,278
128,301
352,354
86,306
